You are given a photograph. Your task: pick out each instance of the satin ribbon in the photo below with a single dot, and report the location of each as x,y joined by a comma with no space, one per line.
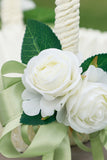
96,146
79,143
51,141
103,137
47,140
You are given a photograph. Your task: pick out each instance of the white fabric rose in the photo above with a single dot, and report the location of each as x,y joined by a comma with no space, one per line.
87,109
50,78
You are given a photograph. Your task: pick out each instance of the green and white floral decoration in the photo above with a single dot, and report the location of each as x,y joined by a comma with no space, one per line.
54,94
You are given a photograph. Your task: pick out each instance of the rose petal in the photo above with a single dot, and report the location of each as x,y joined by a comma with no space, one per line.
62,116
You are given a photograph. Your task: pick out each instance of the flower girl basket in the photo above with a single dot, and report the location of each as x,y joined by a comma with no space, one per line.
66,28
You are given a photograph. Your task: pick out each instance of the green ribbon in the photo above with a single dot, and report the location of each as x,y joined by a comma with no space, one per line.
51,141
47,139
103,137
63,152
10,100
11,67
96,146
79,143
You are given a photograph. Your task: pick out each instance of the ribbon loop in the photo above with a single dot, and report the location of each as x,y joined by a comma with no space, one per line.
10,97
11,67
48,139
10,103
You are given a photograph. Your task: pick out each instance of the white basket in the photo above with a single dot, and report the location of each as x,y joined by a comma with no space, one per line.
88,42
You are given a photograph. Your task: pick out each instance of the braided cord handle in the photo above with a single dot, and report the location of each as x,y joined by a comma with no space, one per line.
67,24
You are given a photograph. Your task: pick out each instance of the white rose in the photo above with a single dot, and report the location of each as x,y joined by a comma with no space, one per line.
87,109
49,79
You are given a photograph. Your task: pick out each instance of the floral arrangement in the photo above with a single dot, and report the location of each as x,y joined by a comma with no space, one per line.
54,93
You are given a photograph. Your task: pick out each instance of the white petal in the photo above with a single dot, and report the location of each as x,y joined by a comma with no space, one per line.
67,58
47,108
27,95
95,75
46,113
48,97
62,116
31,107
24,80
61,101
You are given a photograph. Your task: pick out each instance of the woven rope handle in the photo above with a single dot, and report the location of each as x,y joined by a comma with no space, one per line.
67,23
11,12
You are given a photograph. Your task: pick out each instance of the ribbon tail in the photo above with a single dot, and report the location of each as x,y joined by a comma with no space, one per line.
64,150
79,143
49,156
96,147
42,144
103,137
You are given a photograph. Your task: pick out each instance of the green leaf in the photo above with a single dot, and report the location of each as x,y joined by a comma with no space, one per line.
38,37
101,62
36,120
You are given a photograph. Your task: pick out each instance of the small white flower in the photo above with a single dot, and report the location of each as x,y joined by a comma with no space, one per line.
87,109
50,78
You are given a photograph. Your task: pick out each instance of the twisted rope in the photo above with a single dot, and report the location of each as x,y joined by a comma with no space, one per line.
67,24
